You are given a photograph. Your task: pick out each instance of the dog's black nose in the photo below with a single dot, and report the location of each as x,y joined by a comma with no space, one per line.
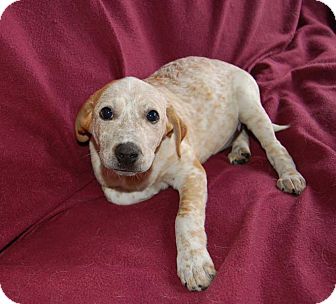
127,153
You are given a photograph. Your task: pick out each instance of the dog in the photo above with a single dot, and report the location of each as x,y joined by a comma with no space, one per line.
147,135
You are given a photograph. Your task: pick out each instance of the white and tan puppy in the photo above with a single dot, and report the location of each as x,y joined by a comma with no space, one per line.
146,135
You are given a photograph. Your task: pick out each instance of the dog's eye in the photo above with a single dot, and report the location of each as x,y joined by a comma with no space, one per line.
153,116
106,113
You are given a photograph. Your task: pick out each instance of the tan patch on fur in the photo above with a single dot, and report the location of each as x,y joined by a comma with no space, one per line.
199,235
192,192
198,165
84,116
196,252
184,210
179,128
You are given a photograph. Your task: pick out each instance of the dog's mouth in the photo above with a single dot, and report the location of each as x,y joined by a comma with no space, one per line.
125,172
113,167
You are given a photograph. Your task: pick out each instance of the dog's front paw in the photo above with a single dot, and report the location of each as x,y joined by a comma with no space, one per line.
195,269
293,183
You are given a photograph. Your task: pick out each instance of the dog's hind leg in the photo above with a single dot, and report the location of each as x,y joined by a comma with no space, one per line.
254,116
240,152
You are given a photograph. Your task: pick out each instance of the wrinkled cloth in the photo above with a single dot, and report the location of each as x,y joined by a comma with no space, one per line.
62,242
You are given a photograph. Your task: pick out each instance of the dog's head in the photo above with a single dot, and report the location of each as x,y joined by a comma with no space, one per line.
128,119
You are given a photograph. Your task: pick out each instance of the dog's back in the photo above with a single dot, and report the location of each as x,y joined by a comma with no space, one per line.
201,91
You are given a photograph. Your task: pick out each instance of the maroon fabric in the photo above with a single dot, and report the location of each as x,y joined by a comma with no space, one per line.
62,242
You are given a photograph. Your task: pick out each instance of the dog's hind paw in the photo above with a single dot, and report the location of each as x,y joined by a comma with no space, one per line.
293,183
239,156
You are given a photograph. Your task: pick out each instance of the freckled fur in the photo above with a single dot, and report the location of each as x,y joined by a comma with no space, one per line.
202,104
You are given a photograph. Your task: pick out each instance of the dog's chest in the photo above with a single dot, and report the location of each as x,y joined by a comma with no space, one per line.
130,198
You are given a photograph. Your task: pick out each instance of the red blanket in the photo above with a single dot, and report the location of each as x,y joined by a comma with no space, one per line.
62,242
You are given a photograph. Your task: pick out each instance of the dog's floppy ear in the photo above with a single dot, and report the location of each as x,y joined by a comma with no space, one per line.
84,116
176,125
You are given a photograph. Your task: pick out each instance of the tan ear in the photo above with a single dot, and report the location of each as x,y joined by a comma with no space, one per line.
176,125
84,116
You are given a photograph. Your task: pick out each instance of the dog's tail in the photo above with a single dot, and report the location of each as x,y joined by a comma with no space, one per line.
278,128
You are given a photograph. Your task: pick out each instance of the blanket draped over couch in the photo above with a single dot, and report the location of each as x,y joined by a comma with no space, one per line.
62,242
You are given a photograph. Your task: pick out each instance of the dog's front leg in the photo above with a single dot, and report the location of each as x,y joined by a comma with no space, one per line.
194,264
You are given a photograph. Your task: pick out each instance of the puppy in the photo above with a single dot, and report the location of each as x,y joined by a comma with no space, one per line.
146,135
